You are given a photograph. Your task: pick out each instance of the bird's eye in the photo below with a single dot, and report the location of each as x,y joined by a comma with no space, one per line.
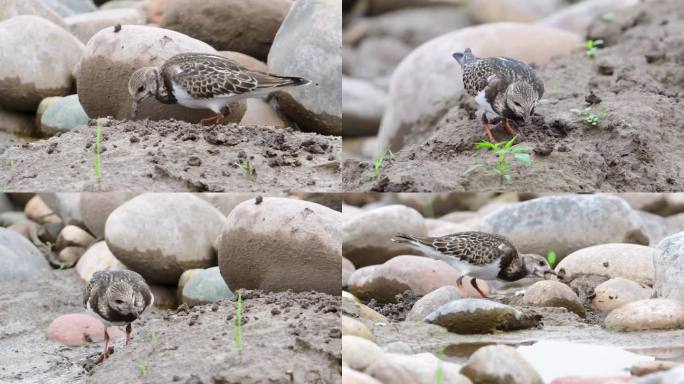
141,89
119,301
517,104
541,263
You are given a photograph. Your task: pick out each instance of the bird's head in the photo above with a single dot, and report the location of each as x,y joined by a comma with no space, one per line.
143,83
521,98
122,298
537,265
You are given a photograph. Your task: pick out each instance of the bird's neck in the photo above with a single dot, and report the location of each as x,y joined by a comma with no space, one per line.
164,91
514,272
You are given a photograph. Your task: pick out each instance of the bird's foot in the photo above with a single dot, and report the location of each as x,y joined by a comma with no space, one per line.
104,355
488,128
209,120
473,282
128,334
507,126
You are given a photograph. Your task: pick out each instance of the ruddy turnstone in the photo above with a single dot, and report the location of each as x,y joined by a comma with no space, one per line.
204,81
502,86
481,255
117,298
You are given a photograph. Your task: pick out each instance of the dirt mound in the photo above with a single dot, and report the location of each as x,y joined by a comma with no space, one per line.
634,87
286,337
175,155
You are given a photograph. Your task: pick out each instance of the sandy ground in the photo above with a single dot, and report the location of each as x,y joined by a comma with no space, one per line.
175,156
287,338
638,144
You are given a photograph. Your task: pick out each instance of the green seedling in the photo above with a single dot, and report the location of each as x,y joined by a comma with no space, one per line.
12,164
551,258
248,169
142,368
377,165
608,17
554,88
237,330
592,47
152,336
97,156
439,373
505,153
589,116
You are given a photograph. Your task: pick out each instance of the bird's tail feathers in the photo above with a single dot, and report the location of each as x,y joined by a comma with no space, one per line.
464,57
273,81
402,238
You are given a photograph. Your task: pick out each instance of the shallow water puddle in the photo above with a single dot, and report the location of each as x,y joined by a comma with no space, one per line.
554,359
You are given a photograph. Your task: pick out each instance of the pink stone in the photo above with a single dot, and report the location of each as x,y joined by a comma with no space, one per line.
76,329
594,380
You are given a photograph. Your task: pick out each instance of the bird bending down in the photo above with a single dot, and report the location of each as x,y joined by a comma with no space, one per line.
501,86
204,81
481,255
117,298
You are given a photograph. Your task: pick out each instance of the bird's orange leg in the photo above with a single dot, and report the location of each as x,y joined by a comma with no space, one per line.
487,127
508,127
105,353
209,120
128,333
459,285
473,282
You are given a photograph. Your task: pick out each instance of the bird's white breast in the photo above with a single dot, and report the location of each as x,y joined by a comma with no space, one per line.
482,102
184,99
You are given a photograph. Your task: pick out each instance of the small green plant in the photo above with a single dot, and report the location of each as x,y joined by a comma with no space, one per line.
608,17
237,330
439,373
152,336
504,151
142,368
554,88
592,47
12,164
247,168
589,116
377,164
551,258
97,156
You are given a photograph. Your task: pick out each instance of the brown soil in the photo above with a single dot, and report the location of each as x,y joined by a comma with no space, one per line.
635,85
174,155
287,337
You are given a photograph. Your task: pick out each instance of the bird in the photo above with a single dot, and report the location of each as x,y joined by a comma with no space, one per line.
117,297
204,81
479,254
502,86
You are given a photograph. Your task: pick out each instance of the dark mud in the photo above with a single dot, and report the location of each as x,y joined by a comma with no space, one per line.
287,337
635,86
175,156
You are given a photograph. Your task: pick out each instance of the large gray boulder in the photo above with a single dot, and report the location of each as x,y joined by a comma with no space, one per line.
564,224
160,235
95,208
19,258
669,267
32,70
308,44
11,8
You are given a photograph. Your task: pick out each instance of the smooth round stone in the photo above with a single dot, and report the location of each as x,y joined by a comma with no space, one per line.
565,224
162,235
206,286
97,258
77,329
433,300
20,259
311,33
629,261
11,8
617,292
65,205
473,316
548,293
225,202
646,315
390,372
669,267
36,210
491,11
500,364
271,245
96,207
72,235
32,70
352,376
580,16
359,352
63,115
347,270
70,255
85,25
351,326
362,106
643,368
368,236
421,367
183,280
354,307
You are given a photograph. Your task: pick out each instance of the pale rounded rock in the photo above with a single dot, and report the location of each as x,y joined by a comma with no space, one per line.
548,293
63,115
111,57
473,316
206,286
578,17
647,315
500,364
77,329
492,11
36,210
65,205
353,306
390,372
351,326
359,352
433,300
669,267
422,367
32,70
411,97
271,245
85,25
617,292
68,256
352,376
183,280
11,8
72,235
565,223
97,258
96,207
362,107
162,235
20,260
311,33
629,261
368,236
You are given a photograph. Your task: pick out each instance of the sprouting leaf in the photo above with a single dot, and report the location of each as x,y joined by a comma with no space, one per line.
521,148
524,158
486,144
551,258
509,143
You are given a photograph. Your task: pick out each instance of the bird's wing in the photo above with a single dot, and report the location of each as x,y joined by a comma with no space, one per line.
514,70
474,247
